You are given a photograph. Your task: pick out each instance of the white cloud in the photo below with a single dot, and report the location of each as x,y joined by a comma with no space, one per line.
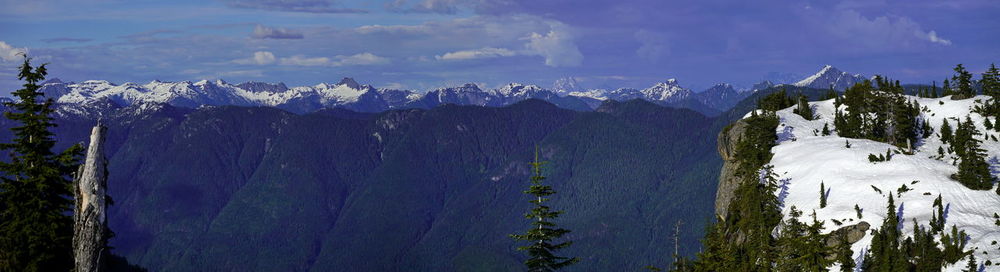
299,60
885,32
11,53
934,38
557,47
360,59
482,53
339,60
268,58
263,32
259,58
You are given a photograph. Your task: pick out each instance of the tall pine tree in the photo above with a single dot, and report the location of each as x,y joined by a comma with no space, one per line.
962,81
36,228
541,255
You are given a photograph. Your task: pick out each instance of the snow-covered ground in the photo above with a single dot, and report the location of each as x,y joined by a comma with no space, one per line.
806,158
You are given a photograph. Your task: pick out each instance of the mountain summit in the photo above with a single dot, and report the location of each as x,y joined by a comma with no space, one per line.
830,76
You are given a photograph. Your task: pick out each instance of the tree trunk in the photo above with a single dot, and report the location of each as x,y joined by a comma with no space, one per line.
90,230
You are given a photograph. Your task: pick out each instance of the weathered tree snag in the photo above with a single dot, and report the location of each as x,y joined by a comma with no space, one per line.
90,230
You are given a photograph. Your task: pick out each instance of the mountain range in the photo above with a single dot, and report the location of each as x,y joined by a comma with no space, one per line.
349,94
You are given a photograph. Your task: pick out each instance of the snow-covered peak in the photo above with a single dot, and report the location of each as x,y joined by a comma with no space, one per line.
668,91
566,85
518,90
828,77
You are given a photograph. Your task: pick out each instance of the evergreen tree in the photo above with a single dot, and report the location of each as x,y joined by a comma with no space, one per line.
802,247
991,81
945,131
845,256
822,195
971,266
36,226
544,231
803,108
885,253
962,81
826,129
973,170
946,89
934,93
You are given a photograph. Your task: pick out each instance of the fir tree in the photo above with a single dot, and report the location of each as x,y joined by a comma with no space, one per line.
973,171
991,81
885,253
945,131
822,195
826,129
803,108
36,227
946,89
971,266
544,231
845,256
962,81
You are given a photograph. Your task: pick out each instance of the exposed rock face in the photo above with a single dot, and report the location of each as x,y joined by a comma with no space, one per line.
727,178
90,231
853,234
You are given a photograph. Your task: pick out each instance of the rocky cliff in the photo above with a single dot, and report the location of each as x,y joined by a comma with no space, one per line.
727,178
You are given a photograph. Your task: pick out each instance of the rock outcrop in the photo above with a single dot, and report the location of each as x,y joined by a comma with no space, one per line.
90,230
727,178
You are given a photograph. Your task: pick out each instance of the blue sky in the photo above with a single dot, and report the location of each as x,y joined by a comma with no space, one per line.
426,44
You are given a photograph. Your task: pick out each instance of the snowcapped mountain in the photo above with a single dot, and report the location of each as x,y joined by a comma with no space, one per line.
804,159
830,76
565,86
349,94
668,91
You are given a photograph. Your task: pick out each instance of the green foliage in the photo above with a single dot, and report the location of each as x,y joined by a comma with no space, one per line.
803,109
743,241
544,231
885,253
776,101
822,195
962,81
845,256
973,170
946,131
878,112
954,245
802,247
36,228
826,129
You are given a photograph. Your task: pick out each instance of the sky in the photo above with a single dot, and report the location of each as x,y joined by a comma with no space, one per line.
427,44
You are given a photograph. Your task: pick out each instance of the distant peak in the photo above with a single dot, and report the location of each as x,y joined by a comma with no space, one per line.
672,81
349,82
53,80
470,86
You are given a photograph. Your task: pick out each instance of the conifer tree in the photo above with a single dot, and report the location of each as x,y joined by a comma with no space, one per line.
36,226
885,253
962,81
803,108
973,171
845,256
945,131
544,231
826,129
822,195
946,89
991,81
971,266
